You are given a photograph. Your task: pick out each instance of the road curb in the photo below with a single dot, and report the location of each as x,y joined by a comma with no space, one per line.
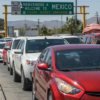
3,92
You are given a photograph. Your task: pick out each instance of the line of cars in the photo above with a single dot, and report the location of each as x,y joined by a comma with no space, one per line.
4,43
23,51
55,68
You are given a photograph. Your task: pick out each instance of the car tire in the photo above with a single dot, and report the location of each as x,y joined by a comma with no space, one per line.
33,91
11,70
8,67
50,96
17,78
23,81
4,63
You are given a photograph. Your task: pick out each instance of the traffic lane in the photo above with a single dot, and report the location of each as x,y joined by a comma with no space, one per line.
12,90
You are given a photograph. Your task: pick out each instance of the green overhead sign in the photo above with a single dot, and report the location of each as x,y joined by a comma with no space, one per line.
47,8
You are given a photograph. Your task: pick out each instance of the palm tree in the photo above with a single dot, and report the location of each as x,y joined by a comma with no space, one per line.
71,24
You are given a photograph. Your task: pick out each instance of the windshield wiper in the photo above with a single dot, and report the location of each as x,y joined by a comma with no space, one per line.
95,68
89,69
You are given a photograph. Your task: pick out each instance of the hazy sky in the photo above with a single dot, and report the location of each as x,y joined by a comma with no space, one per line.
94,5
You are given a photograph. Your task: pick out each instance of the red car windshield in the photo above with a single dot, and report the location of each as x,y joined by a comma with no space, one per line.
77,59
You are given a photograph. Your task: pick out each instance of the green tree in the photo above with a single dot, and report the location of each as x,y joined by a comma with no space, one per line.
28,28
1,36
79,31
22,31
44,30
71,24
63,28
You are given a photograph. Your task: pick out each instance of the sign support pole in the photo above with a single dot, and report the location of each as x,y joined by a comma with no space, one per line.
5,7
83,17
46,13
84,13
5,20
76,18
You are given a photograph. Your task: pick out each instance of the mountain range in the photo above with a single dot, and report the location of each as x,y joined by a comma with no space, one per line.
33,24
50,24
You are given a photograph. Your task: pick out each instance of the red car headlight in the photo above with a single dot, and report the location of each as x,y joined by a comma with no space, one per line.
66,88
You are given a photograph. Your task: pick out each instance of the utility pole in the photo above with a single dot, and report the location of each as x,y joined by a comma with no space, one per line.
76,17
39,26
25,25
57,26
34,26
61,20
97,17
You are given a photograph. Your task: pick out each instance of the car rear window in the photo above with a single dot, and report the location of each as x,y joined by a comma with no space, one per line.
8,40
40,45
74,40
77,59
15,44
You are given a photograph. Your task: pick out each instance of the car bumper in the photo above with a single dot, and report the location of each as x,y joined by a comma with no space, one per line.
28,72
90,97
1,57
57,95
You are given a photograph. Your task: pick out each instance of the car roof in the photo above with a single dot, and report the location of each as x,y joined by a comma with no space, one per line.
15,38
43,37
7,38
62,35
69,36
74,46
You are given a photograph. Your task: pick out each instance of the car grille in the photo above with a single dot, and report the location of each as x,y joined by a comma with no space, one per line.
96,94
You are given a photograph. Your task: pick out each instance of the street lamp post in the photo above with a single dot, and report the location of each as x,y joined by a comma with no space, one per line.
57,26
76,16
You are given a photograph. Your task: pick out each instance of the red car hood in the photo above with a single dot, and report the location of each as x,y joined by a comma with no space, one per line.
89,80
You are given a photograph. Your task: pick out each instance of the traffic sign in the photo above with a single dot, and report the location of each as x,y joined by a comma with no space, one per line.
16,8
1,24
47,8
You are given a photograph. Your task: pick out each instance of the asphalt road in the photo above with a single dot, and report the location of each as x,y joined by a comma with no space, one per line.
12,90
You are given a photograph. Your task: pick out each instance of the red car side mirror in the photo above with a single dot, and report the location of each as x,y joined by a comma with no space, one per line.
43,66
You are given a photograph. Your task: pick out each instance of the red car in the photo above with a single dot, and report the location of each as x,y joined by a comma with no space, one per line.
5,53
67,72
